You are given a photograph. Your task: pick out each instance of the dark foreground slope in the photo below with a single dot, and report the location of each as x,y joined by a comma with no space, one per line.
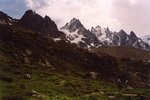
27,47
34,67
51,65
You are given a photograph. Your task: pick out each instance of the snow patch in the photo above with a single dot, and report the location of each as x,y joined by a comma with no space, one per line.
73,37
56,39
10,19
146,39
92,44
10,23
78,39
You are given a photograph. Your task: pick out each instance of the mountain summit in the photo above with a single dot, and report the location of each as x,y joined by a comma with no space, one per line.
73,25
37,23
77,33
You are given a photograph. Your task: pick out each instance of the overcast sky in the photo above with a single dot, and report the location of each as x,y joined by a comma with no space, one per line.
116,14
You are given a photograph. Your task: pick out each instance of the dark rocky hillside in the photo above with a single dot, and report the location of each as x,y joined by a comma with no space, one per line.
35,22
27,47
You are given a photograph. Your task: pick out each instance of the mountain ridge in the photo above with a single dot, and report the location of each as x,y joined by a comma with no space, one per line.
37,23
75,32
106,37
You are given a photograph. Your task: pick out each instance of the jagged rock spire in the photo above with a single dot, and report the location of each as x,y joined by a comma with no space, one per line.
45,26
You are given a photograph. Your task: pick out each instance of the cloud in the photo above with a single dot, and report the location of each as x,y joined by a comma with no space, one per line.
133,15
91,12
36,4
116,14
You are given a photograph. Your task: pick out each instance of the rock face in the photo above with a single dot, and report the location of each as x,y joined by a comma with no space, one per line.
37,23
98,36
77,33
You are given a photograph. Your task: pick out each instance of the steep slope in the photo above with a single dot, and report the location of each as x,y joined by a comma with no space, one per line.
146,39
77,33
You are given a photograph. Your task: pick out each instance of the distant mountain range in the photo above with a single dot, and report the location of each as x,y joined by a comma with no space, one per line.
98,36
75,32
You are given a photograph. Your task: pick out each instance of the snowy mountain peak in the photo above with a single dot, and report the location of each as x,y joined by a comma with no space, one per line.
74,20
73,25
98,36
122,31
77,33
97,30
132,34
98,27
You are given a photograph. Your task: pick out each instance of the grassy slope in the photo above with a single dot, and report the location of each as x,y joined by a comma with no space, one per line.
54,85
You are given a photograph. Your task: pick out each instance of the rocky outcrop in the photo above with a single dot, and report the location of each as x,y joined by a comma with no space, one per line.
44,26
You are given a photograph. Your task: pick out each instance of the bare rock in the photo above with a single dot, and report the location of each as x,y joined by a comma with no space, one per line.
28,52
26,60
28,76
92,75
